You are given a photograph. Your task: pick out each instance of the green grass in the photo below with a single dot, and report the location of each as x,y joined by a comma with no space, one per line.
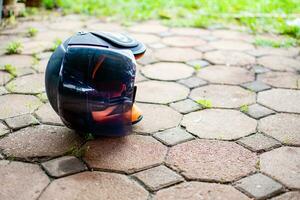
257,165
244,108
43,97
204,103
197,67
286,43
56,43
89,136
32,32
10,69
14,47
198,13
77,151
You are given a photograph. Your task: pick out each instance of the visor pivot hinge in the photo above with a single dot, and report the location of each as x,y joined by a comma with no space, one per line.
81,32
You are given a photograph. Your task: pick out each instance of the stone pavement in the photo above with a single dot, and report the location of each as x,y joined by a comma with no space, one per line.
221,120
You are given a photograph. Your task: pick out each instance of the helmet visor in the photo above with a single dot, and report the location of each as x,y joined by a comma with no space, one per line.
106,80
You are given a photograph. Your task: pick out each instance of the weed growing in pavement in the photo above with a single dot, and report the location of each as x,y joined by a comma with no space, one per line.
204,103
32,32
14,47
56,44
77,151
244,108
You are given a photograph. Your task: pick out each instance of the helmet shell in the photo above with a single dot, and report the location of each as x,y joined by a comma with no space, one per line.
90,83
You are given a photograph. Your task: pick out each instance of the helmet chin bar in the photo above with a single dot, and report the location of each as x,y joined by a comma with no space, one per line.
90,84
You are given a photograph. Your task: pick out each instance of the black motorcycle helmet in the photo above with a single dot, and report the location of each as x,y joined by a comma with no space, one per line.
90,82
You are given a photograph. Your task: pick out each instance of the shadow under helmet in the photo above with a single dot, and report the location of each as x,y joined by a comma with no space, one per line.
90,82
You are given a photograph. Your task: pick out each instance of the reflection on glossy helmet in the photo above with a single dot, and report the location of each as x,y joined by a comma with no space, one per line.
90,82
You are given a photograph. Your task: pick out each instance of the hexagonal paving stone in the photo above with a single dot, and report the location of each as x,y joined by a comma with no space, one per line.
177,54
3,90
47,115
227,75
12,30
25,179
113,27
33,47
231,45
145,38
219,124
185,106
149,27
224,96
259,186
173,136
281,79
39,141
258,142
189,31
266,51
169,118
283,127
63,166
22,27
211,160
281,100
182,41
4,77
257,111
198,63
167,71
256,86
157,45
43,97
148,58
210,38
199,190
44,55
207,47
16,104
207,38
282,164
77,17
127,154
293,195
139,77
41,66
30,84
21,121
279,63
193,82
23,71
160,92
72,25
4,41
94,185
52,36
17,61
257,69
158,177
3,129
232,35
229,58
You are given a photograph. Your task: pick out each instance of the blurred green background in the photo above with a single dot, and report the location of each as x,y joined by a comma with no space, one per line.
198,13
257,15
